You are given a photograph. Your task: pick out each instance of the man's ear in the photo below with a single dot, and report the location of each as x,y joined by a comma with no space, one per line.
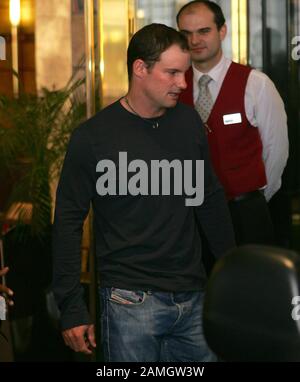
139,68
223,32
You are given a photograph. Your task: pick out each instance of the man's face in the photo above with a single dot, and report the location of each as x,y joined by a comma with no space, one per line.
204,38
165,80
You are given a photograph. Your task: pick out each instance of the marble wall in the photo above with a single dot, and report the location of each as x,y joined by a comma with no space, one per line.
53,41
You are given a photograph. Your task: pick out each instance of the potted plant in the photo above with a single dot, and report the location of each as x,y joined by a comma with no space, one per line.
34,133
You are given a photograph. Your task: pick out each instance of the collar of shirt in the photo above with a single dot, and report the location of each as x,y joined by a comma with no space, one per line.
217,73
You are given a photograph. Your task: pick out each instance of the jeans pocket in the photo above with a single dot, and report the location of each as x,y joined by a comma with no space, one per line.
127,297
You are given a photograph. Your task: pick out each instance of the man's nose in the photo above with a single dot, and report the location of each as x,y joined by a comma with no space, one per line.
182,82
194,39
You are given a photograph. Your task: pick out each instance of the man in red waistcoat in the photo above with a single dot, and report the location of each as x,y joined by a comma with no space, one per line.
245,122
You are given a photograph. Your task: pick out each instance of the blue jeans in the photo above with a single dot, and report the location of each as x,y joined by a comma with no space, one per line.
140,326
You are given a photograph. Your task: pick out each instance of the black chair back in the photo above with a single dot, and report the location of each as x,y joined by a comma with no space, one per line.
249,313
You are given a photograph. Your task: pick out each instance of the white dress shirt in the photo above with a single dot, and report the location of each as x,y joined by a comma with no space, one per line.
265,110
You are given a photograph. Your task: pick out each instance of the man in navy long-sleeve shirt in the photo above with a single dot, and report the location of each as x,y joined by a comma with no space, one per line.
143,164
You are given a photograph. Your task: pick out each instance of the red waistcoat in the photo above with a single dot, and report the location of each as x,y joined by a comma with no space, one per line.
236,150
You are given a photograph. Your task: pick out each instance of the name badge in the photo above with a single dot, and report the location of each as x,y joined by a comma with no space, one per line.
232,119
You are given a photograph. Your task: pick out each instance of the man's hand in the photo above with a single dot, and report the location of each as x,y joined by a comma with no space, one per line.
4,289
81,338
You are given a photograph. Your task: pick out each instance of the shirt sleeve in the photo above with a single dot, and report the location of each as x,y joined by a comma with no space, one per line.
213,214
74,194
265,110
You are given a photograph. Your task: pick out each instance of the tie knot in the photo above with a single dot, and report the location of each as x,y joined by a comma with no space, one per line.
204,80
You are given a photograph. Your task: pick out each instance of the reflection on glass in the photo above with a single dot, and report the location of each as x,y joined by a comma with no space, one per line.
156,11
239,31
114,47
255,34
227,43
276,54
